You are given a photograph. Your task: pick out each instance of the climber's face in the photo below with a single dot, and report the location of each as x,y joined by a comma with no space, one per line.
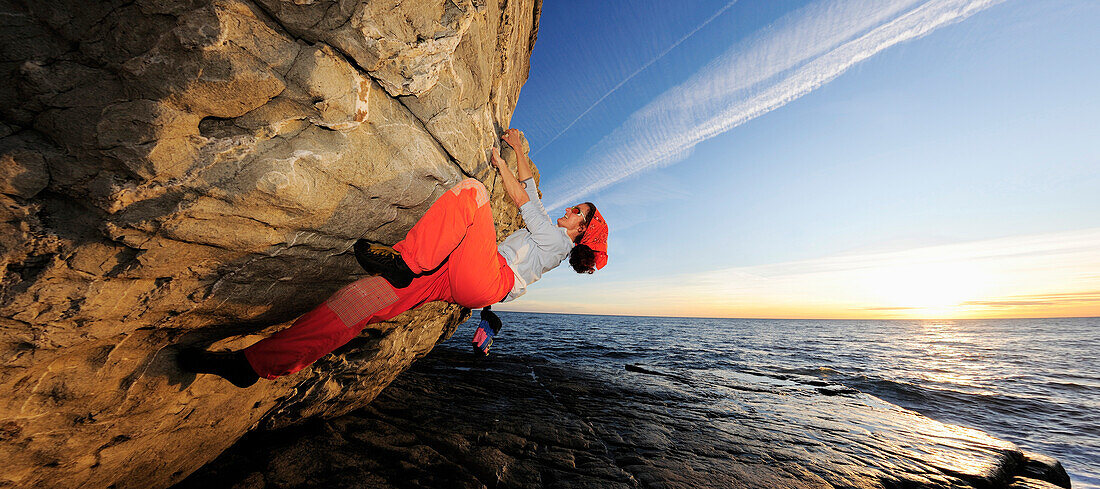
575,217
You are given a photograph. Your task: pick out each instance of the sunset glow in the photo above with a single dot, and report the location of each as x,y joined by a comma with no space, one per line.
1025,276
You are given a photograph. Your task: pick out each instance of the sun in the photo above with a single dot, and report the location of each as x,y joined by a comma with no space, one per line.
926,290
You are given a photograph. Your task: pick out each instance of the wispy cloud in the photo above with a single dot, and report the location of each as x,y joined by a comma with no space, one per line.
1031,275
636,72
800,53
1041,300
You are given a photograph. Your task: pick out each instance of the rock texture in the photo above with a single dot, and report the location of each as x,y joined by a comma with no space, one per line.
458,421
195,172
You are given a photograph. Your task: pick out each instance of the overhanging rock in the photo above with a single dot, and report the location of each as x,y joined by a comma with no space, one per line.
195,172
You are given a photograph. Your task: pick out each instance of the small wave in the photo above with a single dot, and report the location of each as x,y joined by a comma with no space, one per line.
1072,386
811,371
929,398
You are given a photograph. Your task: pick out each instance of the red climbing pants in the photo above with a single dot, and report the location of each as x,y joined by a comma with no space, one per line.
455,238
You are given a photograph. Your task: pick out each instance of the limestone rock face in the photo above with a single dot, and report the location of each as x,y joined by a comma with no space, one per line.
195,172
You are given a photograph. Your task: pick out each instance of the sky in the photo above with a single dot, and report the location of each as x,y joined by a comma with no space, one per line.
823,159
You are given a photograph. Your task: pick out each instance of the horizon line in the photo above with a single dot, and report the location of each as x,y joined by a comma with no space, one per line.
795,318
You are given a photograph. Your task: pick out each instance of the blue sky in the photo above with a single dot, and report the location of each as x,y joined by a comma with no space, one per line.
883,134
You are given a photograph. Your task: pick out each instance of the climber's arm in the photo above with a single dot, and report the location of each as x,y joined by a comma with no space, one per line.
512,186
514,139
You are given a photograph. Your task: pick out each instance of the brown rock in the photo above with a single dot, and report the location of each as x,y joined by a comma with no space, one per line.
195,172
23,173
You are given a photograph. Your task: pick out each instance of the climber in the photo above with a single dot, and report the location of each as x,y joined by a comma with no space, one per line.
450,254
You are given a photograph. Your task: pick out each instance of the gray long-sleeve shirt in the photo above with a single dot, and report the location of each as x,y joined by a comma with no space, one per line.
536,249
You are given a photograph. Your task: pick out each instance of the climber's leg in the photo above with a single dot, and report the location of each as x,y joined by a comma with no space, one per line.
338,320
479,275
440,231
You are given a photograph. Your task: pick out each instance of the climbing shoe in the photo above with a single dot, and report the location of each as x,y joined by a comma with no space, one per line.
229,365
383,260
486,331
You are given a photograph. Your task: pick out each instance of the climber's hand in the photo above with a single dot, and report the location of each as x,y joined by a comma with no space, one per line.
514,138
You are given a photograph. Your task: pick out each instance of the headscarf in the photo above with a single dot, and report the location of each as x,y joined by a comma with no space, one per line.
595,237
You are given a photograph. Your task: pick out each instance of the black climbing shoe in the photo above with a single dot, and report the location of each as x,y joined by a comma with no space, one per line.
383,260
230,365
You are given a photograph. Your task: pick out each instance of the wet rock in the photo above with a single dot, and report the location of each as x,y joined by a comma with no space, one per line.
195,172
457,420
1044,468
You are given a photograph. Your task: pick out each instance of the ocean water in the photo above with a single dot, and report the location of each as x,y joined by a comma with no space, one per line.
1035,382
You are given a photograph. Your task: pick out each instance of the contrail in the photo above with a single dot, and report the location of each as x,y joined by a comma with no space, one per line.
807,49
632,75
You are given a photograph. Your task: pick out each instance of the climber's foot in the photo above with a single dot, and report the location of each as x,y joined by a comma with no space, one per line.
383,260
230,365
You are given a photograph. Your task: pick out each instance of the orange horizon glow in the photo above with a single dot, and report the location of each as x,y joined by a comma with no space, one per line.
1037,276
781,314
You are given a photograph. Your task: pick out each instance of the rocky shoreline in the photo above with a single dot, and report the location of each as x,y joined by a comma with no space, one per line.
456,420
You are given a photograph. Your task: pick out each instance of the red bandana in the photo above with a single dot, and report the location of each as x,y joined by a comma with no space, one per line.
595,237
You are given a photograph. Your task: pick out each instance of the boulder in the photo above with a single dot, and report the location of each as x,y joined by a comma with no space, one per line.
194,172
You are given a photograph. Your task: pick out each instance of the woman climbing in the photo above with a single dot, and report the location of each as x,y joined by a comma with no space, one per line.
450,254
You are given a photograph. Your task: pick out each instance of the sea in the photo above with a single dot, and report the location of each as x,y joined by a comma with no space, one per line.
1035,382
